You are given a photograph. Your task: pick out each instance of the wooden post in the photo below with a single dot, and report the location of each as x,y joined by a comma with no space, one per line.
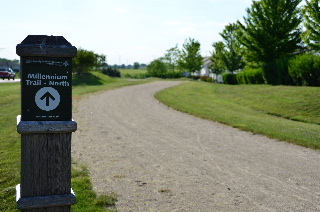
46,124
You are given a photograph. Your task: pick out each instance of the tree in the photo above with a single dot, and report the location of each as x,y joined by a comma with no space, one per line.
157,68
271,31
311,14
217,66
172,57
136,65
232,58
84,61
226,54
190,58
101,60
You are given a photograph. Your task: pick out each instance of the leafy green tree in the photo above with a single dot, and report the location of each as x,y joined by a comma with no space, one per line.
190,58
136,65
311,14
217,66
157,68
101,60
171,58
226,55
271,31
84,61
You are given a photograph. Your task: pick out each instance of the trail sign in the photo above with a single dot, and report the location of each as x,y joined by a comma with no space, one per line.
46,78
46,88
45,124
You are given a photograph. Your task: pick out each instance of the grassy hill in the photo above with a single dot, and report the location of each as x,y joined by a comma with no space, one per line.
285,113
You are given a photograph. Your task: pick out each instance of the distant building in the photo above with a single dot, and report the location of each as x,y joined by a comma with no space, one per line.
205,70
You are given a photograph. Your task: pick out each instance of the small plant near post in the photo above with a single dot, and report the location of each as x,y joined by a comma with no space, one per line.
46,124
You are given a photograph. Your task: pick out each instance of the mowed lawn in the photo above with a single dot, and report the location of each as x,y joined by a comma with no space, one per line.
286,113
132,71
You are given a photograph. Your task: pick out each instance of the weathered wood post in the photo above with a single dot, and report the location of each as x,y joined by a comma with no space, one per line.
46,124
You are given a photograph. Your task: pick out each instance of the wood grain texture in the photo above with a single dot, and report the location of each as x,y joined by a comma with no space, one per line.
46,164
45,168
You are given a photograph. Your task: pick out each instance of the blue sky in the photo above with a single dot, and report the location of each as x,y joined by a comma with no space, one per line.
126,31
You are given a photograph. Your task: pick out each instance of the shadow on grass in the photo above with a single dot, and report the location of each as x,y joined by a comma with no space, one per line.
86,79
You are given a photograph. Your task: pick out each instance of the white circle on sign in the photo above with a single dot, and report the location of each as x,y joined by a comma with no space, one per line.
47,98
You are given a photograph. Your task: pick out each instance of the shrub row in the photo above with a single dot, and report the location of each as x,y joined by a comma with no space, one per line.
229,78
167,75
250,76
305,69
137,75
111,72
301,70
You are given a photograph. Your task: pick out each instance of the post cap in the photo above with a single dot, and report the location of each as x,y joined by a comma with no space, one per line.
47,46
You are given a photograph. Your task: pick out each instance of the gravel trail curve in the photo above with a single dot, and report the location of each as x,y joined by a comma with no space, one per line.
158,159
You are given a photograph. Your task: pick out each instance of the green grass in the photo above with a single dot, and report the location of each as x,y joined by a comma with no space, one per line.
285,113
295,103
96,81
10,145
133,73
87,200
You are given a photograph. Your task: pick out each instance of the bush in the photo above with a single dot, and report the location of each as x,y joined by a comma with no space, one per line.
250,76
229,78
111,72
305,69
173,74
204,78
157,68
209,79
241,77
136,75
195,77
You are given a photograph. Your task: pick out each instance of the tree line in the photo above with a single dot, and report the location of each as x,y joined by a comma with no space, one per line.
86,61
176,63
277,42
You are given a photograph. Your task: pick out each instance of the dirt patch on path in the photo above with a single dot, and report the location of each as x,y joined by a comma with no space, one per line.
158,159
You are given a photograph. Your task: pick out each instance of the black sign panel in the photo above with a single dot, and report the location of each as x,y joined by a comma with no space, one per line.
46,89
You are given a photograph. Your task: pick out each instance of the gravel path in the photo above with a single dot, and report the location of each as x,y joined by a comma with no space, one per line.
158,159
